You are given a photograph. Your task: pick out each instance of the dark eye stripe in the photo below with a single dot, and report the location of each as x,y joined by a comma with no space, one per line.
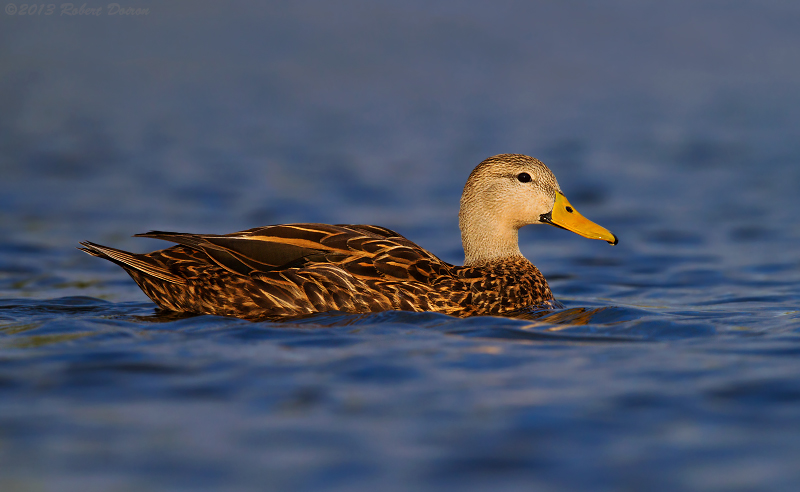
524,177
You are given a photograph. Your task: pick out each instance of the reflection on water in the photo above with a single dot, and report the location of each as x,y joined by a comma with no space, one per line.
574,316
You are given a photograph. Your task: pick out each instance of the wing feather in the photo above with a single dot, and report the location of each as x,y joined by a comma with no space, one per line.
364,251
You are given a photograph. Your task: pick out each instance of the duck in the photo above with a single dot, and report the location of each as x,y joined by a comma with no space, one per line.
292,270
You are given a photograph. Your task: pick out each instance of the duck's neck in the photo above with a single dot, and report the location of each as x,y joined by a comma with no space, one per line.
485,236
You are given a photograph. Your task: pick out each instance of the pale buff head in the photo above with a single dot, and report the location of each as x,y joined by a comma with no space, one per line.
502,194
509,191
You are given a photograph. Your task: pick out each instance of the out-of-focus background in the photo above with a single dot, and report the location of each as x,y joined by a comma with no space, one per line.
674,124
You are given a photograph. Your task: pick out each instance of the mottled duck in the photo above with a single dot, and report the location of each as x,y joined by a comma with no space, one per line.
289,270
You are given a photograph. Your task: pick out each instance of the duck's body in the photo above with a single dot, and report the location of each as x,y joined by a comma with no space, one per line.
295,269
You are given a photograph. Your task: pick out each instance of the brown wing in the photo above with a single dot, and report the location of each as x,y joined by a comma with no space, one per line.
257,250
364,251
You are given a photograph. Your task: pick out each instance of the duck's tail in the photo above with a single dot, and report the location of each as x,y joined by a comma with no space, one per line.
132,261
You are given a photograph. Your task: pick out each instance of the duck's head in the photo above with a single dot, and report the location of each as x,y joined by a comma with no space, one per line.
509,191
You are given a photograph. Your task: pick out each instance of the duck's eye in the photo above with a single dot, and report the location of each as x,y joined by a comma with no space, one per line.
524,177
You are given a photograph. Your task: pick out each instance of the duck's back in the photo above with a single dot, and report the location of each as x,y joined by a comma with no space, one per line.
296,269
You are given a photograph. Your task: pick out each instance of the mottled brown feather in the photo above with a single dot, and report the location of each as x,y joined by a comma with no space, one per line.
355,269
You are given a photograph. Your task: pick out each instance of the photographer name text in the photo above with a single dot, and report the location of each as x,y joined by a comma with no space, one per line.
70,9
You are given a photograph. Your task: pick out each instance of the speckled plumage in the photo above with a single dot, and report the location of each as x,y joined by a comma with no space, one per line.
289,270
296,269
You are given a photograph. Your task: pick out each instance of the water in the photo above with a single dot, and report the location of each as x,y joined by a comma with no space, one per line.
674,364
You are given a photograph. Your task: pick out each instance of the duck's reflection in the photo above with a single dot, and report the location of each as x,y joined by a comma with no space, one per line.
563,319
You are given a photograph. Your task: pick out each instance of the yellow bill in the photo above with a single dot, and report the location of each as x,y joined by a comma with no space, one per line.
565,216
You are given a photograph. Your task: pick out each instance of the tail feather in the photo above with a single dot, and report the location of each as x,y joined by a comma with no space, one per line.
140,263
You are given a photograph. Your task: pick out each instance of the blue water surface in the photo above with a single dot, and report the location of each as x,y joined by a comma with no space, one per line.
674,364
